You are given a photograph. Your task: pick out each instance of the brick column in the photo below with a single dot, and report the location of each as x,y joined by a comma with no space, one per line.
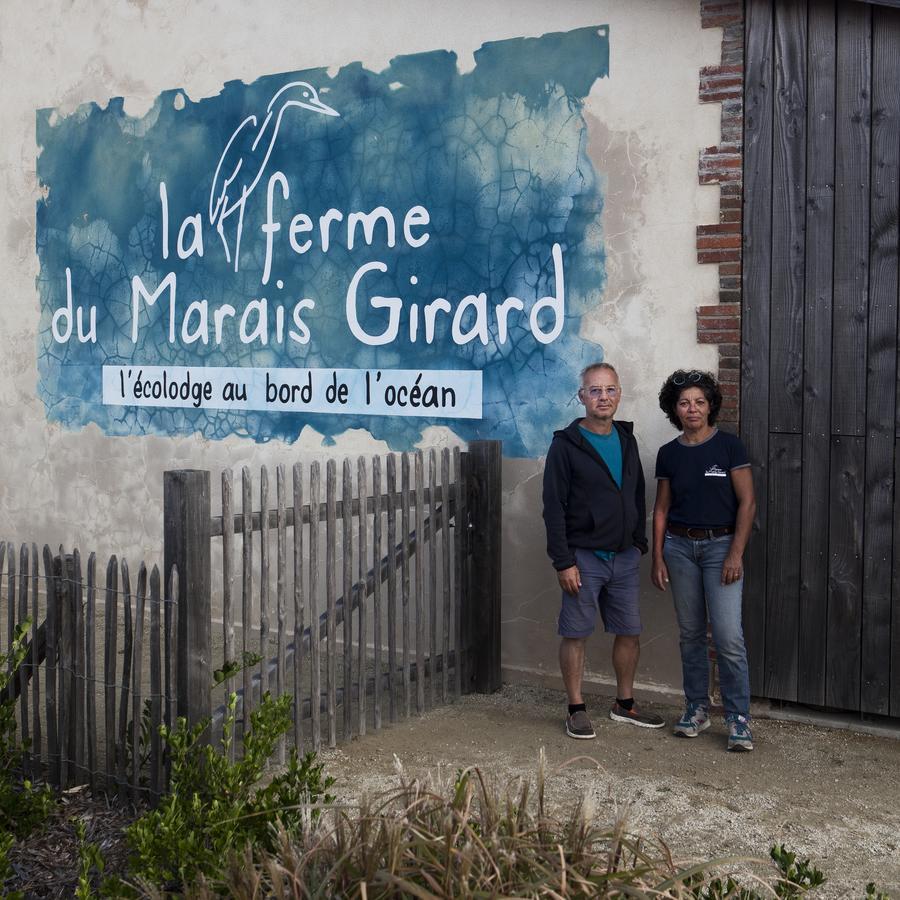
720,243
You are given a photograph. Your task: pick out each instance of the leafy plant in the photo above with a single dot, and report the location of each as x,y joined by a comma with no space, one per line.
89,858
215,807
23,806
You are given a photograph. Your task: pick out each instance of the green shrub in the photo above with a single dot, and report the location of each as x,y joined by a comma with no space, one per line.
23,806
215,807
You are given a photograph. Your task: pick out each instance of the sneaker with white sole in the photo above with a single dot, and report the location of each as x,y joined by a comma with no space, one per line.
635,716
578,726
740,738
694,719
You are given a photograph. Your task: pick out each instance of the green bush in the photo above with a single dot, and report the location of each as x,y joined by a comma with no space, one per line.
215,807
23,806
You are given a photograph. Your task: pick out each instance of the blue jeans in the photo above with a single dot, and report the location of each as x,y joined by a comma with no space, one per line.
695,573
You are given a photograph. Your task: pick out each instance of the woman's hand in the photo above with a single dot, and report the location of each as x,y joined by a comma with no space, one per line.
732,569
659,573
570,580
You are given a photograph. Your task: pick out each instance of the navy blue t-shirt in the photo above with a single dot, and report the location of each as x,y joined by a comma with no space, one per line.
700,478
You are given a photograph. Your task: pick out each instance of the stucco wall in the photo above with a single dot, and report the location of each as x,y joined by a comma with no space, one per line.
645,127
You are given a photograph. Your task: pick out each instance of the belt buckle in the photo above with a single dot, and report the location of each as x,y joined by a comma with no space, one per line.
703,534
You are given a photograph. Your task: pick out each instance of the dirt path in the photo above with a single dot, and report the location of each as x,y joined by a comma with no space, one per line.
831,795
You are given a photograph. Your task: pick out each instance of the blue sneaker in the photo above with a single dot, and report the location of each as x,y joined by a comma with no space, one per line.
693,720
740,738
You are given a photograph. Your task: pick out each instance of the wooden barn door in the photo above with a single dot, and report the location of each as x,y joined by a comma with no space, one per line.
819,386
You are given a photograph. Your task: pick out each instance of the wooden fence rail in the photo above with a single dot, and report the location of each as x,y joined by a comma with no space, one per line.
367,615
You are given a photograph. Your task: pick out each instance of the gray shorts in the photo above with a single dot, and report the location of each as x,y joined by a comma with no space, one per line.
610,586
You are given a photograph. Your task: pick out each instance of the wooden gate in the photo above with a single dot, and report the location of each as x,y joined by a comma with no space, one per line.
819,374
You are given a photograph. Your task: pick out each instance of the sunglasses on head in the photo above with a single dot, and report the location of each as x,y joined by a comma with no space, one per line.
681,378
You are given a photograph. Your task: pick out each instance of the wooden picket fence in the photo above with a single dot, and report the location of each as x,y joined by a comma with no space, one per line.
352,588
81,711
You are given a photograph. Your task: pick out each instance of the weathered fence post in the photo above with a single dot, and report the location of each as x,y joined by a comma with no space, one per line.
186,536
481,598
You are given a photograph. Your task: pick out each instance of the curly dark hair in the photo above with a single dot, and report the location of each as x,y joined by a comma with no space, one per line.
682,379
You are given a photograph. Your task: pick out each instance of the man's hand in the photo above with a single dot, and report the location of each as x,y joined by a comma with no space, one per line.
570,580
659,573
732,569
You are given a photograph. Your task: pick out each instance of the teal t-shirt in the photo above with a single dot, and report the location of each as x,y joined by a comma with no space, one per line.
610,449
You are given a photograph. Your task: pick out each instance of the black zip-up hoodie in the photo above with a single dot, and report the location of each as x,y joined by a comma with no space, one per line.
583,506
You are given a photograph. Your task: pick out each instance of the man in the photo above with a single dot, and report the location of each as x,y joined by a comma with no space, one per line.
594,511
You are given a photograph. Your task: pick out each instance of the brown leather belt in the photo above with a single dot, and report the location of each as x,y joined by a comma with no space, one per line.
699,534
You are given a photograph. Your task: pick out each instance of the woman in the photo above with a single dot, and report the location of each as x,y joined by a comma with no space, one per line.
701,524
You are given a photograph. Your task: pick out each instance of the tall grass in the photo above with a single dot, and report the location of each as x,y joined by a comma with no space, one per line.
465,838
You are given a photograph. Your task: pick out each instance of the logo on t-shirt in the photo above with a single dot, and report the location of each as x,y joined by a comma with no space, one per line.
715,472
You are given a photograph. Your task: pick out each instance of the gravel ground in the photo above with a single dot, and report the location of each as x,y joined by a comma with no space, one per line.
831,795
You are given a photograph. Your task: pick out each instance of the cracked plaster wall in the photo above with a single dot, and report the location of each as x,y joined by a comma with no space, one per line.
645,128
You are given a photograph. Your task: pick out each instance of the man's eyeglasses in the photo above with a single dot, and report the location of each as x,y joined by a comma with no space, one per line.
595,393
686,378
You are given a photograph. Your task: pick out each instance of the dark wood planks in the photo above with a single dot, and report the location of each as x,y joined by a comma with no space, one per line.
788,217
881,359
783,567
895,595
851,233
842,674
817,352
757,271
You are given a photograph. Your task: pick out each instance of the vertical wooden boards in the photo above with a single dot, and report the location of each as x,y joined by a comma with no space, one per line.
36,733
347,607
783,567
420,581
281,567
299,623
362,665
137,702
330,590
895,595
757,270
788,217
446,544
156,712
817,352
228,575
111,633
392,586
246,589
851,207
264,580
315,680
404,577
376,596
881,363
842,687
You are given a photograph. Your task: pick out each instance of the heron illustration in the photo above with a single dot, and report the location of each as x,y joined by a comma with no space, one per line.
246,155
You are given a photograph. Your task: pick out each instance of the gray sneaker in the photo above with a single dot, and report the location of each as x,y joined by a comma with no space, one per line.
635,716
740,738
693,720
578,726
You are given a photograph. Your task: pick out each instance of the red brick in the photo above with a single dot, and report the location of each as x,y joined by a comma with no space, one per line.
730,296
720,309
730,375
730,269
719,337
708,323
720,228
718,256
719,242
730,350
728,390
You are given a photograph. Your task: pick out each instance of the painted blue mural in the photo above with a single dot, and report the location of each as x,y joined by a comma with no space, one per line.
378,250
